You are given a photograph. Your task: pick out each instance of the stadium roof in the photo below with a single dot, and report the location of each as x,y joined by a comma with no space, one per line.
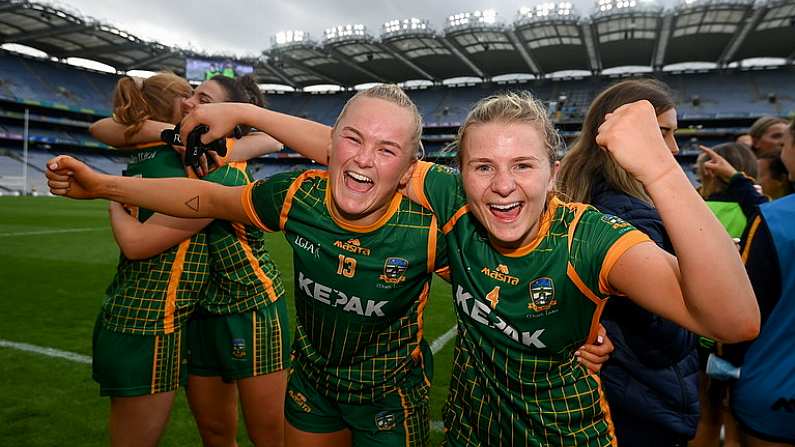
64,34
547,38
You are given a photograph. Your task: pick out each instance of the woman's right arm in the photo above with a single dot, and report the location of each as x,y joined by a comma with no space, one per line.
179,197
111,133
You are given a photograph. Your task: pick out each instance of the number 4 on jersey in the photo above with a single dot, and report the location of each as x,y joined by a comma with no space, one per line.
494,296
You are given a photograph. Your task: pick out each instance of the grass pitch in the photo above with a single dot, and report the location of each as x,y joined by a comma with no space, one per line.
56,258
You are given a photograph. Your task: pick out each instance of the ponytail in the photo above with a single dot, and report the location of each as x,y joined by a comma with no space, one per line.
136,100
129,106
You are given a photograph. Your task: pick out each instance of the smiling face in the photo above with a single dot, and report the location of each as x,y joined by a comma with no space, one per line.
207,92
507,177
371,156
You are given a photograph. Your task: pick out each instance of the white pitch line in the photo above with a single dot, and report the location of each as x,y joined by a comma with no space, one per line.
439,343
436,346
50,352
33,233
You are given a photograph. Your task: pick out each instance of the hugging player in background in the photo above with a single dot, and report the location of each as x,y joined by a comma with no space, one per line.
226,357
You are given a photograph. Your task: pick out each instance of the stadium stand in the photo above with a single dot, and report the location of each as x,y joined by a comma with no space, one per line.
713,104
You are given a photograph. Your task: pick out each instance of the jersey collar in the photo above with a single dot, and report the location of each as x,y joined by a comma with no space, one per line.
350,226
543,230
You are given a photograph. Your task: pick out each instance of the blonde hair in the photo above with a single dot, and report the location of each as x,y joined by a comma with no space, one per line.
394,94
135,101
513,107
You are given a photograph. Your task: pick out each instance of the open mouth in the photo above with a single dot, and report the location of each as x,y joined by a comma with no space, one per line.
506,211
358,182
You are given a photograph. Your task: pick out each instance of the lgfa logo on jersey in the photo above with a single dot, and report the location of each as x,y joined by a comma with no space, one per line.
307,245
542,295
353,246
501,273
394,270
239,348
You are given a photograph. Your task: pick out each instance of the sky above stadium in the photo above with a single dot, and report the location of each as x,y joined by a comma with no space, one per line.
245,26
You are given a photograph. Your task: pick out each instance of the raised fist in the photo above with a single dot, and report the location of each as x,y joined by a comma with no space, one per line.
631,134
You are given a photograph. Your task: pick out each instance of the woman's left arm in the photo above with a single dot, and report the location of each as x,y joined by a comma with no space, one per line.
706,287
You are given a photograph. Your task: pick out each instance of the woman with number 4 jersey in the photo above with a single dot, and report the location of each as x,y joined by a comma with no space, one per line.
532,273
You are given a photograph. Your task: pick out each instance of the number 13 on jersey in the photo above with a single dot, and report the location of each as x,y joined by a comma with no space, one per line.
346,266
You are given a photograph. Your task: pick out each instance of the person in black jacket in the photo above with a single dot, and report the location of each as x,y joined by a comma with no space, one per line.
651,380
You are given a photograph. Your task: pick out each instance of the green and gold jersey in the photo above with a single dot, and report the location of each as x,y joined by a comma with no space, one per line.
360,291
521,315
242,274
156,295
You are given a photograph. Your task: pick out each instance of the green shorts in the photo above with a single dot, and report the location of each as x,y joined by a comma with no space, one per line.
129,365
400,419
238,346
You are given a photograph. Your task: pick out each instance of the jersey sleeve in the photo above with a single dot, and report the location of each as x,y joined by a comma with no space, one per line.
439,189
229,175
263,200
597,241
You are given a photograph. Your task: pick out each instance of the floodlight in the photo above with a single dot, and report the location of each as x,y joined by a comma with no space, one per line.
287,37
547,9
411,24
485,16
607,5
345,31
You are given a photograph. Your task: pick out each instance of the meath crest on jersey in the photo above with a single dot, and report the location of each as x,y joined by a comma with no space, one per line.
394,270
239,348
385,421
542,294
